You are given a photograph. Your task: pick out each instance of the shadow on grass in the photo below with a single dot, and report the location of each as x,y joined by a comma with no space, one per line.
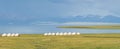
100,37
40,47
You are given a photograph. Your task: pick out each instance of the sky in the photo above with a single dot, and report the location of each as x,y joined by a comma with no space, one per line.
24,15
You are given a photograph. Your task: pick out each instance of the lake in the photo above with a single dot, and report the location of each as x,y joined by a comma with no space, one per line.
51,28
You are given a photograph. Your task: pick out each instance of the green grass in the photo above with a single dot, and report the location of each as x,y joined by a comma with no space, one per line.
84,41
94,27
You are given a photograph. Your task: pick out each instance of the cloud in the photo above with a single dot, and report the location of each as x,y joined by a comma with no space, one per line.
90,7
89,23
27,10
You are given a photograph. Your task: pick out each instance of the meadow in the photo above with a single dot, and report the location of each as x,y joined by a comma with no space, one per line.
83,41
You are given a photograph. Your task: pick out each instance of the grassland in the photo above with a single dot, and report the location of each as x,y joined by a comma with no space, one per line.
94,27
84,41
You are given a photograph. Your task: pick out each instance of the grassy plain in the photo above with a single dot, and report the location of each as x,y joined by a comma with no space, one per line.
83,41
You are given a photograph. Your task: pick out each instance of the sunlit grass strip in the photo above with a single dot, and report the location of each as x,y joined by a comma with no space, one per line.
93,27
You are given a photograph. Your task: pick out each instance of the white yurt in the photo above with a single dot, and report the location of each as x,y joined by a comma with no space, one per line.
53,33
4,34
73,33
61,33
69,33
13,34
45,34
9,34
49,33
78,33
57,33
16,35
65,33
